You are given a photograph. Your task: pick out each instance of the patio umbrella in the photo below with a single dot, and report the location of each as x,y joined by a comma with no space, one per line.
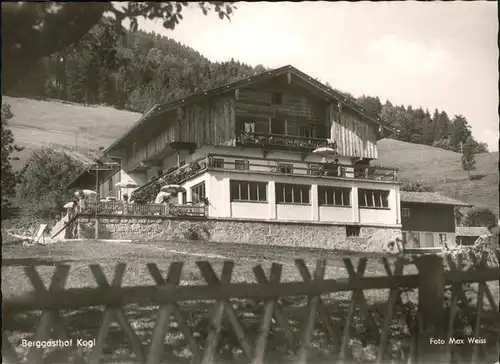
161,195
325,151
172,188
126,184
69,205
89,193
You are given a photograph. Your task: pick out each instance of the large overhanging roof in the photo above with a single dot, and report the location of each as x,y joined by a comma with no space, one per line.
87,178
328,93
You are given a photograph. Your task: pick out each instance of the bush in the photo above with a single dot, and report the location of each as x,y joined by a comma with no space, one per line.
199,232
46,175
416,187
481,217
34,214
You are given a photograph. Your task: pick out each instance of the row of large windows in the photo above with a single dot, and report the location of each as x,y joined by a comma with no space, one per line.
301,194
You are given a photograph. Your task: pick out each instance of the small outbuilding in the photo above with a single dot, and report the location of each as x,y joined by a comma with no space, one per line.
467,235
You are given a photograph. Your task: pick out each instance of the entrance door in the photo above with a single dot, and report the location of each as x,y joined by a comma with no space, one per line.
278,126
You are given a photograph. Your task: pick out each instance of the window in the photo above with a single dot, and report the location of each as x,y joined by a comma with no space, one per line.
288,193
413,239
248,191
442,239
405,212
307,132
249,127
352,231
184,197
110,185
406,237
218,163
198,192
315,169
335,196
285,168
373,198
241,165
427,240
276,99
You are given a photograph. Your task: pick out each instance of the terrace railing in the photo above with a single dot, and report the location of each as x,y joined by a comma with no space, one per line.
148,191
139,209
281,141
267,320
279,166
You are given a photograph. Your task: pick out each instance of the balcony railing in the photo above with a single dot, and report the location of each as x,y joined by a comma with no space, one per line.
138,209
281,141
291,167
148,191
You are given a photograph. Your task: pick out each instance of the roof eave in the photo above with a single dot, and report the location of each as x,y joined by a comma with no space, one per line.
458,204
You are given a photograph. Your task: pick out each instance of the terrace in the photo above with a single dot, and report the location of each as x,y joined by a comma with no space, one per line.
235,163
293,167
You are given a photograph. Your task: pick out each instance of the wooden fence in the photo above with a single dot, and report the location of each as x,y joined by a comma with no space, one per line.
431,319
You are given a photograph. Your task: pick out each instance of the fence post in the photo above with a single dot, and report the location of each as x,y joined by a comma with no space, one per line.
432,335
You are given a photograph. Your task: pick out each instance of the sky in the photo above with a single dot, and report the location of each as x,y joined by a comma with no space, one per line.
431,54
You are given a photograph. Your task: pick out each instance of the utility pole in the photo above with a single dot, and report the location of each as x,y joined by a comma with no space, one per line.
97,203
96,167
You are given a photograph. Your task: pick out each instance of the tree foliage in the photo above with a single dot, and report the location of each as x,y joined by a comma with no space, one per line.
9,178
32,31
46,175
468,156
416,187
480,217
134,71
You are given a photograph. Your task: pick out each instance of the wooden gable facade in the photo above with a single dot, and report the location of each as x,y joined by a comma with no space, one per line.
280,106
354,137
285,104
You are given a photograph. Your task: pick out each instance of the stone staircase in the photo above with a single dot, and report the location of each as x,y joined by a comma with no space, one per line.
58,226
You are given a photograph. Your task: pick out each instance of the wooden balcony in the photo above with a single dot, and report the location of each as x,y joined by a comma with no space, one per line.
280,141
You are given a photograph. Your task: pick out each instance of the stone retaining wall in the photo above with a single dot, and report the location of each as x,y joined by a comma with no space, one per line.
245,232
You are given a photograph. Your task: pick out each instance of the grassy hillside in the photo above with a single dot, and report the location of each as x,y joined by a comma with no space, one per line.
442,169
36,122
